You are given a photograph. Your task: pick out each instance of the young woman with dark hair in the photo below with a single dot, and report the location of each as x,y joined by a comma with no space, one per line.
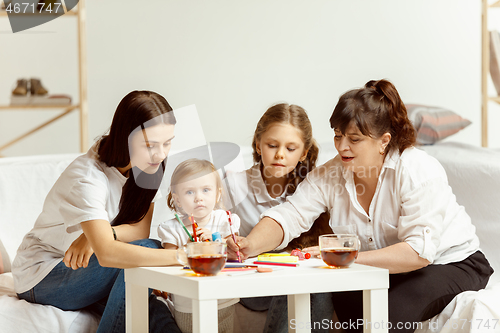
396,198
96,220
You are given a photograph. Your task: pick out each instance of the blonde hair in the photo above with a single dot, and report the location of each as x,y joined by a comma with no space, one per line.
190,169
297,117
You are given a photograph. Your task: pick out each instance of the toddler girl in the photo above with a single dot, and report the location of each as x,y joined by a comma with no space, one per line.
196,190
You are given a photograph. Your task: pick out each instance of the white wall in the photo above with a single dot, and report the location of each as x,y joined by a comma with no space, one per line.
234,59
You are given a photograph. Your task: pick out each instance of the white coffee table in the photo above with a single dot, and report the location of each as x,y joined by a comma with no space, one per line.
296,282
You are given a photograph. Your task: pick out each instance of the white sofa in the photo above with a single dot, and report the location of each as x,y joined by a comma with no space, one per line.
24,183
474,174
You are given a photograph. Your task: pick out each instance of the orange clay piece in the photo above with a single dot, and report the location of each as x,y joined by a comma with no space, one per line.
264,269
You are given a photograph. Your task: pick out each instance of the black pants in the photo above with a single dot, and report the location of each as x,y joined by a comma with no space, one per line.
419,295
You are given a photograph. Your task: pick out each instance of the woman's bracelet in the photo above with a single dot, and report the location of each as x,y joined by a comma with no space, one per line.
114,232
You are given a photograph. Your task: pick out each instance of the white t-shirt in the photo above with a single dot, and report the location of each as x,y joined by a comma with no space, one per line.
413,203
172,232
86,190
248,197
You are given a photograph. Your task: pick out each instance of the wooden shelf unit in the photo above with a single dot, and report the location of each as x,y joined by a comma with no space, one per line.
80,13
485,59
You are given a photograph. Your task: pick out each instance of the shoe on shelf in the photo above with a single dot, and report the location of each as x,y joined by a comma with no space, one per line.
21,89
36,87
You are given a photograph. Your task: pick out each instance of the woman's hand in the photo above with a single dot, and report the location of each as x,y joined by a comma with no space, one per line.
243,246
313,250
204,234
79,253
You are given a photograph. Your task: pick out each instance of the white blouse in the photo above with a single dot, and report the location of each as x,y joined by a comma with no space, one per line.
413,203
247,196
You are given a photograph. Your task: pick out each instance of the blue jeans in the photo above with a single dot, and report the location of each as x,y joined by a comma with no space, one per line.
98,288
277,314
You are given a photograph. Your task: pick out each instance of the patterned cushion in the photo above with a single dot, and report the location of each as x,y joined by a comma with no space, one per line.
4,260
434,123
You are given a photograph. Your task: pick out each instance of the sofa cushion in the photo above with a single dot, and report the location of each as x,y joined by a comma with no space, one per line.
24,184
434,123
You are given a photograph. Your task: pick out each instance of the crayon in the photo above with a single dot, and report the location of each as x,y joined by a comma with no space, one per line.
184,227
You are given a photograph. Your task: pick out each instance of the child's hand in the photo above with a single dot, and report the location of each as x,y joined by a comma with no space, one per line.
313,250
204,234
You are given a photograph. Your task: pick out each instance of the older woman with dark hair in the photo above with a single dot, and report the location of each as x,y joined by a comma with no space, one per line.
97,217
396,198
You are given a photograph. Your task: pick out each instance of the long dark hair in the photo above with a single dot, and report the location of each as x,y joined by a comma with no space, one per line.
375,109
297,117
137,110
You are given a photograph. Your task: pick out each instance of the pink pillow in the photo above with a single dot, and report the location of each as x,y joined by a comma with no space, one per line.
434,123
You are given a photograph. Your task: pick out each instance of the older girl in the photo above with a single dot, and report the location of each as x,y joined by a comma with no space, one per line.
284,151
96,219
397,200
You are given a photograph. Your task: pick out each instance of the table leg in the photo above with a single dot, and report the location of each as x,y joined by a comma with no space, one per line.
205,316
136,308
299,313
375,311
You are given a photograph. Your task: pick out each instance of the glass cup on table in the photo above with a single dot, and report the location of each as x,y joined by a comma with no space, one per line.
339,250
204,258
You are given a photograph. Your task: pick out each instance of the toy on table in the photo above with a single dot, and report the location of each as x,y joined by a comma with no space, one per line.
300,254
264,269
216,237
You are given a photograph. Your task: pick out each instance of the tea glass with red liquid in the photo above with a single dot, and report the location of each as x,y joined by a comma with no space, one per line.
204,258
339,250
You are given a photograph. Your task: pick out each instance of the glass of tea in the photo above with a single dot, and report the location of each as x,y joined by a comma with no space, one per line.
204,258
339,250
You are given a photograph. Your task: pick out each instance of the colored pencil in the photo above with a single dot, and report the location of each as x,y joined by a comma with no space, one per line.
226,269
274,263
232,233
194,227
184,227
238,265
289,259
